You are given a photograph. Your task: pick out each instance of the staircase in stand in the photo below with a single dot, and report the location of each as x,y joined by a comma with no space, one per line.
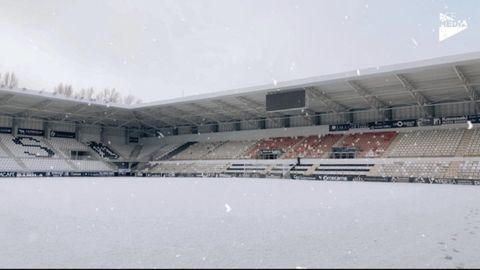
177,150
293,147
136,151
338,143
464,143
10,154
393,144
312,169
453,169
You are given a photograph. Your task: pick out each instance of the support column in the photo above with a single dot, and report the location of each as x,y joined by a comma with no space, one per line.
103,138
77,132
388,114
46,130
15,127
127,135
318,119
351,117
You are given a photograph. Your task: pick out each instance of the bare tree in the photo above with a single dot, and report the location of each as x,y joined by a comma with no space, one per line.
59,90
106,96
90,93
115,96
6,79
68,91
129,100
13,81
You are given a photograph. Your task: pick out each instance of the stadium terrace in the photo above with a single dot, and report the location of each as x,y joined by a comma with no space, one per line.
415,122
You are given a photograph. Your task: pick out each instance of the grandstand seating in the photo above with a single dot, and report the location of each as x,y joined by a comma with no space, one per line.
279,143
370,144
414,168
473,148
9,165
103,150
469,170
65,146
230,150
46,164
39,154
196,151
428,143
91,165
24,146
314,146
163,152
3,153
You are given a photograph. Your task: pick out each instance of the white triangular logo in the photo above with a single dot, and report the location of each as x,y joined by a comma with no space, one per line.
449,26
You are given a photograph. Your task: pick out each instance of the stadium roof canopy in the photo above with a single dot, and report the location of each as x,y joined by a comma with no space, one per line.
436,81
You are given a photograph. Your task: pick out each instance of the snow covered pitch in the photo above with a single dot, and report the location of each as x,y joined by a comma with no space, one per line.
168,222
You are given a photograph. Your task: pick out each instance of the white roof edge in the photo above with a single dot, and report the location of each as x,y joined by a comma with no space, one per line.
298,83
328,78
50,95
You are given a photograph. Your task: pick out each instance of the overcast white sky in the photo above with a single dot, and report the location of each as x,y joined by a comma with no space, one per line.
166,49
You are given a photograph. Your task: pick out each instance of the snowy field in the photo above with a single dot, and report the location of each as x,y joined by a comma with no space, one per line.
157,222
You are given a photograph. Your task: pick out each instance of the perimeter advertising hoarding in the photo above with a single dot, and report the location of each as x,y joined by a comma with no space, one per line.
393,124
341,127
62,134
31,132
6,130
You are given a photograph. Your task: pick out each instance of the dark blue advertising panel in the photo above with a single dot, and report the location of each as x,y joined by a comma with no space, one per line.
341,127
6,130
31,132
454,120
62,134
474,118
393,124
429,122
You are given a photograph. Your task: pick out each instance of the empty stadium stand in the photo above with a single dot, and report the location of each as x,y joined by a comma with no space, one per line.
473,146
91,165
280,144
415,168
469,170
24,146
196,151
314,146
370,144
428,143
10,165
230,150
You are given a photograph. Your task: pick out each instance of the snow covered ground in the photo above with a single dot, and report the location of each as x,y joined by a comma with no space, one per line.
157,222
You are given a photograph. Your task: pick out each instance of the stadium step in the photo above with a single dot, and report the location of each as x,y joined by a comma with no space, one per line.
6,149
21,164
136,151
292,148
464,143
177,151
312,169
55,150
453,169
72,164
392,145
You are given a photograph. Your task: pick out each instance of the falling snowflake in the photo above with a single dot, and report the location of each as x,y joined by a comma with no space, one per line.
470,125
414,41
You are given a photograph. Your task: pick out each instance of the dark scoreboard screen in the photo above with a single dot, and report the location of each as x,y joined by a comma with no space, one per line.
287,100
